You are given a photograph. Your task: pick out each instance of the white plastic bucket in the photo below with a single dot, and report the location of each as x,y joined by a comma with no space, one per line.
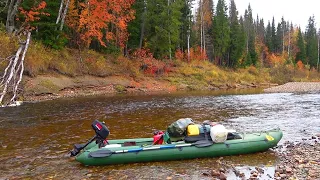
218,133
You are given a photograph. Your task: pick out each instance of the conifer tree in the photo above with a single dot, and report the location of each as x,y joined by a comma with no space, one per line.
269,37
237,40
251,57
278,39
136,27
186,25
273,36
301,54
221,33
162,26
261,30
311,43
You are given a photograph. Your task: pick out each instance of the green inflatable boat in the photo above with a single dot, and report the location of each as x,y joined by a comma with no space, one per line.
99,152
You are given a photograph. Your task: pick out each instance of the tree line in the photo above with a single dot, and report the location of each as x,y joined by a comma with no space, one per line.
166,28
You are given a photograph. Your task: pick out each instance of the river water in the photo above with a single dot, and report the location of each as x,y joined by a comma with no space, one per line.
35,138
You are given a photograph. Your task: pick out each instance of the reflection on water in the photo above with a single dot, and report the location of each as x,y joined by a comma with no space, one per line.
36,137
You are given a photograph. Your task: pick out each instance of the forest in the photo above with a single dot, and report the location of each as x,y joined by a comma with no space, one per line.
159,33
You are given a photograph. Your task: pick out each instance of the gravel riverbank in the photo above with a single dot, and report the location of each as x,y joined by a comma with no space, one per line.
295,87
299,161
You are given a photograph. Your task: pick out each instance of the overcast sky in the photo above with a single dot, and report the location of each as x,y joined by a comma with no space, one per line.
297,11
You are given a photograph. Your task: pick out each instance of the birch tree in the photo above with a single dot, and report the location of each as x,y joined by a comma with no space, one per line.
13,6
12,76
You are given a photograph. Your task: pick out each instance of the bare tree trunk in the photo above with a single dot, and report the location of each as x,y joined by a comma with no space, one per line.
21,67
64,15
200,13
8,80
188,44
143,23
203,36
60,12
188,37
282,38
12,11
318,50
6,71
13,73
289,41
170,56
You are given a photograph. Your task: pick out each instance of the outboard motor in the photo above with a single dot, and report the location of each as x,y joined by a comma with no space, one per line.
102,132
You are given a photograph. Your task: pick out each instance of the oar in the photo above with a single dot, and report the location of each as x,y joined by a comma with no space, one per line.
107,152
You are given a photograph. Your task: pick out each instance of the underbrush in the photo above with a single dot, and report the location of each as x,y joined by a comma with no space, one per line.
205,73
288,73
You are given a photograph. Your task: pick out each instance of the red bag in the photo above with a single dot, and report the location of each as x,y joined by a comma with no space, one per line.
158,138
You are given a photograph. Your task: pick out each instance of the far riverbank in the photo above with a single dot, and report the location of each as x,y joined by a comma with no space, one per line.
44,87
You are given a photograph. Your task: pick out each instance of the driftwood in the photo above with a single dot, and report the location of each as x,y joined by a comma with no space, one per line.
12,75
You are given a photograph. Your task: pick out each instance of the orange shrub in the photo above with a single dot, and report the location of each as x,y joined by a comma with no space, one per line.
179,55
300,65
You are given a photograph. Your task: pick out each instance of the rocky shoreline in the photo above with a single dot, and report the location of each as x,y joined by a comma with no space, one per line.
295,161
299,161
295,87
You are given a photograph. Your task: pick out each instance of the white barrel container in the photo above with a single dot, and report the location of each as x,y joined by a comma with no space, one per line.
218,133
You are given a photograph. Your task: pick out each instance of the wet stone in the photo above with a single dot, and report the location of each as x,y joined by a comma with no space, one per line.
283,176
222,170
222,176
215,173
206,173
288,170
254,174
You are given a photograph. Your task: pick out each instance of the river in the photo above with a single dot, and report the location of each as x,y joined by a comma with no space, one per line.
36,137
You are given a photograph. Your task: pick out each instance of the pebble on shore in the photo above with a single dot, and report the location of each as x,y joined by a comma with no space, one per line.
295,87
301,161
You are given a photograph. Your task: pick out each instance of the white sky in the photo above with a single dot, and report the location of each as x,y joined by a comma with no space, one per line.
297,11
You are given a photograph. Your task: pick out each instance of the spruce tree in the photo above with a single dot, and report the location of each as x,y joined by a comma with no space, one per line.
311,43
186,25
269,37
278,39
261,30
250,31
273,36
237,41
136,27
221,32
162,26
301,54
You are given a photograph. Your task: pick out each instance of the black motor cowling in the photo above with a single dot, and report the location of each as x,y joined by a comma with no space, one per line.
102,132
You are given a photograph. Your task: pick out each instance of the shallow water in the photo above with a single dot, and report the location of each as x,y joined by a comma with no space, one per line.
36,137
